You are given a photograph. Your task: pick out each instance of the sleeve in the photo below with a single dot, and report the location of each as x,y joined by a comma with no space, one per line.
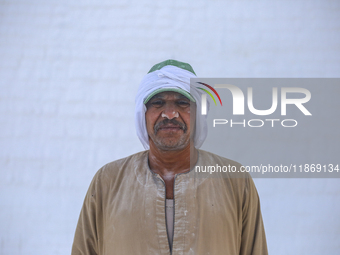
86,236
253,239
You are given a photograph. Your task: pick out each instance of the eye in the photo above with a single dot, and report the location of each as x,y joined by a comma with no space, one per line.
183,103
157,103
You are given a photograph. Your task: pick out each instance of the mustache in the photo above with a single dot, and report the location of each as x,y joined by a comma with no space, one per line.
173,122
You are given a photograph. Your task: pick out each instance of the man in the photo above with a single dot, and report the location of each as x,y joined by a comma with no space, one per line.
154,202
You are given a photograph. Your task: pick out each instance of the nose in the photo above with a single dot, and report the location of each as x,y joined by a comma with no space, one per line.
170,112
170,116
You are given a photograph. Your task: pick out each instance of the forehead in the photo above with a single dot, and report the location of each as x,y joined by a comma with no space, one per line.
169,95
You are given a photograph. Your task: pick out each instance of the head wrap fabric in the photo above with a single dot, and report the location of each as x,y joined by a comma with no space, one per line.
168,77
172,62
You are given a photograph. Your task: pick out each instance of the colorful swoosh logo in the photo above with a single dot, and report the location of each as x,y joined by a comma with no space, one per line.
209,93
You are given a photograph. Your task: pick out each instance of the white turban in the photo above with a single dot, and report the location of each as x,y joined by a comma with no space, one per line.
168,77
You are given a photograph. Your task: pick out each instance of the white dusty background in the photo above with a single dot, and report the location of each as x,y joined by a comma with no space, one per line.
69,71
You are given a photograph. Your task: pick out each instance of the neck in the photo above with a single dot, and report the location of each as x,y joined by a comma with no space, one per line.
170,163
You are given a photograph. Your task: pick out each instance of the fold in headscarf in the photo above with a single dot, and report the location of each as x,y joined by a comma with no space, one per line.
168,77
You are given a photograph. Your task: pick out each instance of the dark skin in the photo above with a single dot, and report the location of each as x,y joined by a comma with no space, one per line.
168,125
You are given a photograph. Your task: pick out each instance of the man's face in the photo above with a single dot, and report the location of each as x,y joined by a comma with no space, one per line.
168,120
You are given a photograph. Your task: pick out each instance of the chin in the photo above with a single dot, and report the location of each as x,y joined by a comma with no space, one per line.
171,145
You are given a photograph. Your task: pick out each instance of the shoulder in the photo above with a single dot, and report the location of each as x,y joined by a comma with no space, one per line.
118,170
221,167
130,161
214,158
230,171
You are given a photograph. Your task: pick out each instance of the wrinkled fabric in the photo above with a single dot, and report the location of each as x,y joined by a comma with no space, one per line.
124,212
168,76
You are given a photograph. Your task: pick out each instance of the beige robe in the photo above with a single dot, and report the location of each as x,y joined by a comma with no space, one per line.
124,212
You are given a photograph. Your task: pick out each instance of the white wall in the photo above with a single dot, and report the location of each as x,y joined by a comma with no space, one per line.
69,71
